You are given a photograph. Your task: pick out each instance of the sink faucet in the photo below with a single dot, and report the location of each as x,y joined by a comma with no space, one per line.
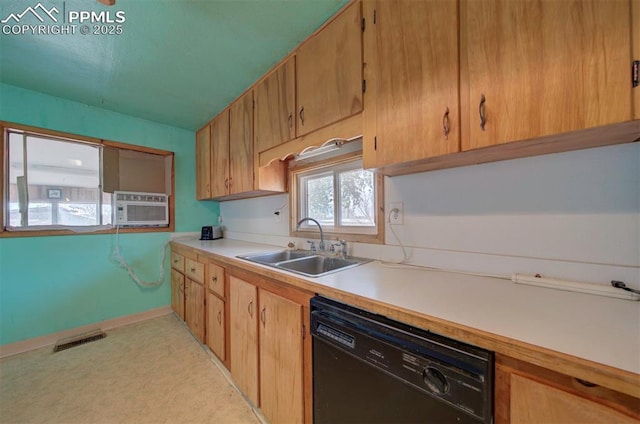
321,246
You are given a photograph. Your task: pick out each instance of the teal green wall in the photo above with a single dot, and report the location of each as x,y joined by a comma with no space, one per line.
50,284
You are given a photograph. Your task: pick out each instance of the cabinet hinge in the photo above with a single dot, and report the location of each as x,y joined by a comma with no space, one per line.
364,86
375,16
635,77
375,143
363,25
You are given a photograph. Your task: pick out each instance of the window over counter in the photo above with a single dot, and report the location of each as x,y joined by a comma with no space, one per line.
58,183
344,198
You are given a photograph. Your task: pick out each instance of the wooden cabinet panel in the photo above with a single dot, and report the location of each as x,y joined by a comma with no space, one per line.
329,73
177,293
241,144
414,81
215,325
215,279
203,163
220,155
194,270
542,67
243,311
534,402
177,261
275,107
635,37
527,393
281,394
194,308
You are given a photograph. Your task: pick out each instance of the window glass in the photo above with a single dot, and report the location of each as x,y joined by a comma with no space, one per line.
320,199
53,182
357,197
341,196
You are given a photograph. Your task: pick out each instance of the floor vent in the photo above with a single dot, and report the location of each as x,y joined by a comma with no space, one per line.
78,340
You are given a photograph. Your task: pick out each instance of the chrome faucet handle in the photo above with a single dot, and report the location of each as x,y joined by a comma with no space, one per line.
313,245
344,248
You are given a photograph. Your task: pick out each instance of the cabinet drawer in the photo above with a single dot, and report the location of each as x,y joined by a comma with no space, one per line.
177,261
194,270
215,279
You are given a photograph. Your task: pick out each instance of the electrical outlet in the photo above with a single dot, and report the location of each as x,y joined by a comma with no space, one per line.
396,211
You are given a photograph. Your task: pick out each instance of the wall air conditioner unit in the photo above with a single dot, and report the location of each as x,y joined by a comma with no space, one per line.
134,209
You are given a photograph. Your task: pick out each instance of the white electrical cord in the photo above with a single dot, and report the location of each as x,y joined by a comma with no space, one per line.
117,257
404,251
403,264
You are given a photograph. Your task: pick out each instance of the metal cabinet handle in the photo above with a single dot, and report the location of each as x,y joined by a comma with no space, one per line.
214,279
250,308
262,316
219,317
226,183
302,115
290,120
445,124
193,270
483,112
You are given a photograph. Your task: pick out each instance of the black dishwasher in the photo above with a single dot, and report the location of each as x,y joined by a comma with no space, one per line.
370,369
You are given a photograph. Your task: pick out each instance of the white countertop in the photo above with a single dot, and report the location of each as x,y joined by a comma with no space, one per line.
599,329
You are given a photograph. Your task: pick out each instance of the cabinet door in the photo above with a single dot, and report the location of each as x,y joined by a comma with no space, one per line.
215,325
275,107
414,99
177,293
542,67
220,155
329,73
203,163
281,393
243,311
635,36
241,145
194,308
215,279
534,402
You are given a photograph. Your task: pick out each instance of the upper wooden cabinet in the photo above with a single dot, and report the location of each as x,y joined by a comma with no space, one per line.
329,73
411,104
275,107
220,155
234,165
540,67
203,163
241,144
635,36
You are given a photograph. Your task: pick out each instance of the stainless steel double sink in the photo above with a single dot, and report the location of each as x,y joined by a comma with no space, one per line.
304,262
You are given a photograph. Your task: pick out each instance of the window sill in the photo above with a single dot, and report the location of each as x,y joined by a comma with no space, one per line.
331,237
64,232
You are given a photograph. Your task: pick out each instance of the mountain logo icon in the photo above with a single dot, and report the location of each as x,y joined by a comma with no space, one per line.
34,11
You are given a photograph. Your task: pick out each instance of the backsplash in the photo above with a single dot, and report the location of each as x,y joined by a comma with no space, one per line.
573,215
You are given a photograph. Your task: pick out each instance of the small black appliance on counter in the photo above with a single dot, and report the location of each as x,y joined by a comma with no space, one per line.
211,233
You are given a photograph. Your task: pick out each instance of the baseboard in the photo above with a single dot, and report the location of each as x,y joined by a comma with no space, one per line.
51,339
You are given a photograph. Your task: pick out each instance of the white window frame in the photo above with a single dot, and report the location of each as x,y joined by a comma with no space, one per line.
298,178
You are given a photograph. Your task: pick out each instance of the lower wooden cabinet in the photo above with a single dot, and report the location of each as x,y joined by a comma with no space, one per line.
243,337
266,345
177,293
526,393
215,328
194,308
281,350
